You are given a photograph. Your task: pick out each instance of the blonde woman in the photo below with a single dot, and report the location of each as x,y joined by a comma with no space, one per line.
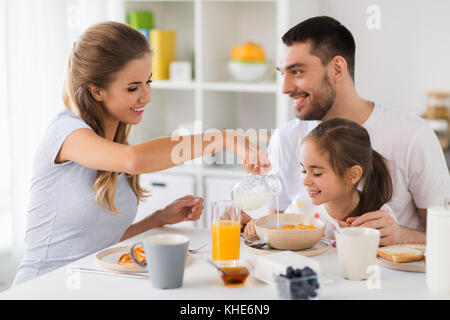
85,186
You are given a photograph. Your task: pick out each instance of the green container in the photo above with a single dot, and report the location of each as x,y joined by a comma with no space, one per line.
141,19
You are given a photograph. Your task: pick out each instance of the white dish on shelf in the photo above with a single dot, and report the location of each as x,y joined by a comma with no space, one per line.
247,71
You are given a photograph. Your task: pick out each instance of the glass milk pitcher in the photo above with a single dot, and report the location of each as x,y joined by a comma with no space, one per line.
253,191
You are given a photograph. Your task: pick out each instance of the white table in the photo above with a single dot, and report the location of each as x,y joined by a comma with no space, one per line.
202,282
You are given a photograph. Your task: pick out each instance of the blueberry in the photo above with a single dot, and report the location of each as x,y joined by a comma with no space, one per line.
307,271
300,288
314,283
290,272
298,272
296,285
310,290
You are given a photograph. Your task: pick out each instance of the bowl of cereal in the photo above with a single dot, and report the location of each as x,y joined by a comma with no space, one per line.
289,231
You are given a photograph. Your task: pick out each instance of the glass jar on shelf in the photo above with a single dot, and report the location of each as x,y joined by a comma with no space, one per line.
438,105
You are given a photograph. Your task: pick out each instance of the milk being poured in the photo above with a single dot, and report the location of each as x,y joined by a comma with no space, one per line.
252,192
278,213
251,200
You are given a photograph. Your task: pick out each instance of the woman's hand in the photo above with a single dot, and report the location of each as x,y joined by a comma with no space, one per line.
254,158
259,169
187,208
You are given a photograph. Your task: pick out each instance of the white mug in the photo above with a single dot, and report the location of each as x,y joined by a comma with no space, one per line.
438,249
357,250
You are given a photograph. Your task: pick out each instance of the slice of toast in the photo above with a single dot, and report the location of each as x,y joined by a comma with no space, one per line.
400,254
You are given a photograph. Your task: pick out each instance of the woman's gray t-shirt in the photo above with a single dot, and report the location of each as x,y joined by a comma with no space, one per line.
64,222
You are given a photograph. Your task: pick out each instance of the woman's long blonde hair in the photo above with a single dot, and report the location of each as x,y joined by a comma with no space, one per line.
101,51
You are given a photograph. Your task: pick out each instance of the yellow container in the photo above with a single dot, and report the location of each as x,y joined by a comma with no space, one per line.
225,240
162,43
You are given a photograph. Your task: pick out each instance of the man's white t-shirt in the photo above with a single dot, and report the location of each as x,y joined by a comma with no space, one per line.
415,159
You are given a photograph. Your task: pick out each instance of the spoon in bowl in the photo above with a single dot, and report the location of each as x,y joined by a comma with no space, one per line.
254,243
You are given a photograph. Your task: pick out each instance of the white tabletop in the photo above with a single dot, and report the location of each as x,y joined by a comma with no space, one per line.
202,282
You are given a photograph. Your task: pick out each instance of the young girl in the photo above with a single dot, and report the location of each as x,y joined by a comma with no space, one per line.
85,185
343,176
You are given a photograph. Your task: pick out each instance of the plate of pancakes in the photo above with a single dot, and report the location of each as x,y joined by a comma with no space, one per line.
118,259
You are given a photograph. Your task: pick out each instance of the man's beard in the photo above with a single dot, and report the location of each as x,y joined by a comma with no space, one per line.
322,103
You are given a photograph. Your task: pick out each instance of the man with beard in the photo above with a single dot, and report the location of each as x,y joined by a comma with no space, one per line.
317,65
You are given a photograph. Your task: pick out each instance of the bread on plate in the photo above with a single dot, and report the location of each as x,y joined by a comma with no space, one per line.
401,253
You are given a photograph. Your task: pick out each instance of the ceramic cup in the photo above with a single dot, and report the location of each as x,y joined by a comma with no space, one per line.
166,258
357,250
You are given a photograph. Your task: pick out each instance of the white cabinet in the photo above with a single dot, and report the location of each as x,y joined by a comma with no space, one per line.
164,189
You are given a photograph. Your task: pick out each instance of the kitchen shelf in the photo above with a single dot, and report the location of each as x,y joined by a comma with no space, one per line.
174,85
226,86
228,171
240,87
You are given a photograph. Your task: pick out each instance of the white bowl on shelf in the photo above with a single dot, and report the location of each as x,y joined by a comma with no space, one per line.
247,71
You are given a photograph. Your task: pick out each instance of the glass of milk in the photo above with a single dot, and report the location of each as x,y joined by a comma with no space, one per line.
438,248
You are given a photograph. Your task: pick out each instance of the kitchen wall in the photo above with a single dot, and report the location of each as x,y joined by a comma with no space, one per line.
403,59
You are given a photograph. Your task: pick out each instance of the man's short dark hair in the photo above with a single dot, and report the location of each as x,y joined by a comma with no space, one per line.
328,37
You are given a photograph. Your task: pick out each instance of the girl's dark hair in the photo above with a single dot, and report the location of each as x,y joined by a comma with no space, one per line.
329,38
348,144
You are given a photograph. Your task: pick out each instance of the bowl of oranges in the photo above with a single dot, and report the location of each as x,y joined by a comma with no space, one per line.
289,231
248,62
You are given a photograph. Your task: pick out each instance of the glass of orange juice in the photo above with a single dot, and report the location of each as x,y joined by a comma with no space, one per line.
225,229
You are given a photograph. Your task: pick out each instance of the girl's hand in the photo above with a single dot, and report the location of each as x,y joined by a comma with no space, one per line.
187,208
250,231
382,220
343,224
245,218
